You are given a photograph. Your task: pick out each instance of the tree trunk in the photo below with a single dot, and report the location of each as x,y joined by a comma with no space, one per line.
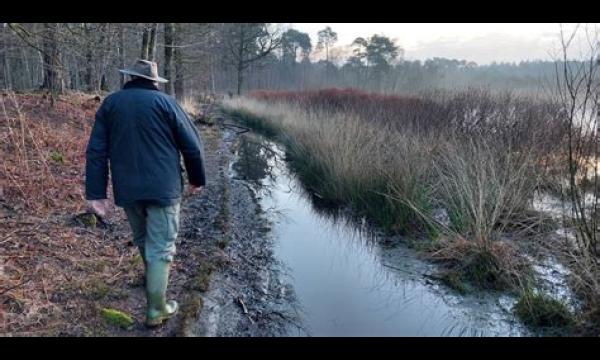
105,46
177,54
30,77
240,64
327,63
152,42
145,35
121,55
89,56
212,80
7,78
169,27
240,78
52,80
6,63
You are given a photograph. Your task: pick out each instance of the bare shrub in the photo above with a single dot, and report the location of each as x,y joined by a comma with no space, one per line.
578,92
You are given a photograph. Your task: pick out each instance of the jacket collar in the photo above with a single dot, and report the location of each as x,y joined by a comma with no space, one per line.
140,84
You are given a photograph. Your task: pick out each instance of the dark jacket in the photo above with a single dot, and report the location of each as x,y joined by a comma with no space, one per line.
141,132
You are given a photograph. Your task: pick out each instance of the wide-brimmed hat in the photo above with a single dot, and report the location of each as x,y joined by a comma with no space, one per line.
145,69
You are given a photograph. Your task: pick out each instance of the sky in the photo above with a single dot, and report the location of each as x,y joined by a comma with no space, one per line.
482,43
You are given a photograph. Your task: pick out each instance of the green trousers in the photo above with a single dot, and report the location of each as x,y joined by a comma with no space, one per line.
154,230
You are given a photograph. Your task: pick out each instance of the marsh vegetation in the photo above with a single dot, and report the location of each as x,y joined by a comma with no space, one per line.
457,172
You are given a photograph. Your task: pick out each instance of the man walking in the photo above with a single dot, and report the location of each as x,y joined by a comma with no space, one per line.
141,132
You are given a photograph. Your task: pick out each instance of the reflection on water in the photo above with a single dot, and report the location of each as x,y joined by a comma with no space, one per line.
346,283
255,162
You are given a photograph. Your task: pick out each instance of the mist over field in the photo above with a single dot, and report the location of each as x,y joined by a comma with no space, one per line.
391,58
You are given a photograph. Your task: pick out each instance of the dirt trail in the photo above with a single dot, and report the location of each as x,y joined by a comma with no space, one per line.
247,297
203,225
57,273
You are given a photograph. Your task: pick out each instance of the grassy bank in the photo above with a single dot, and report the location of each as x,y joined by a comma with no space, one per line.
455,171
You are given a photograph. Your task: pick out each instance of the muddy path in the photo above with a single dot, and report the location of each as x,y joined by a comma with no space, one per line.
246,296
200,253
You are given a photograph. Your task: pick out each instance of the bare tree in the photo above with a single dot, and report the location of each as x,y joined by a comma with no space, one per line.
169,30
578,88
53,70
152,42
246,43
89,56
578,91
179,83
6,74
121,55
145,42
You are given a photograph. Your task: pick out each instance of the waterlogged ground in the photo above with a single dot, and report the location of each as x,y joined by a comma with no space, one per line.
341,279
292,267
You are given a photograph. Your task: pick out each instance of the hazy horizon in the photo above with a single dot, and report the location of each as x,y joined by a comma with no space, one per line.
481,43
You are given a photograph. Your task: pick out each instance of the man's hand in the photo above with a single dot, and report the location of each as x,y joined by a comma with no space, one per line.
98,207
192,190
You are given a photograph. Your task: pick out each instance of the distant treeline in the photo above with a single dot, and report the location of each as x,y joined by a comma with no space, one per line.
234,58
408,76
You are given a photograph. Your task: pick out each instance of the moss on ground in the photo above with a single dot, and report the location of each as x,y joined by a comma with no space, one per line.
117,318
89,220
542,311
483,270
223,218
201,281
57,157
470,268
190,310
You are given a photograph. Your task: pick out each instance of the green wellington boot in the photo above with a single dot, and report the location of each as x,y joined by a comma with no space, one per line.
141,281
157,278
143,255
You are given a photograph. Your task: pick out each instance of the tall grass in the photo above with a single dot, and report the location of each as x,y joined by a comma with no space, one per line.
482,188
343,162
477,157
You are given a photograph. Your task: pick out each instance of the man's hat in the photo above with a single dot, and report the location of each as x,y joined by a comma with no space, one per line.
145,69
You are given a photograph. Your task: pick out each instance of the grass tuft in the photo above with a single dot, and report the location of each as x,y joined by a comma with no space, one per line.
543,311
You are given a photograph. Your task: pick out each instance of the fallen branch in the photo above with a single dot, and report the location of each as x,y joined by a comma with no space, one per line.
245,309
241,302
